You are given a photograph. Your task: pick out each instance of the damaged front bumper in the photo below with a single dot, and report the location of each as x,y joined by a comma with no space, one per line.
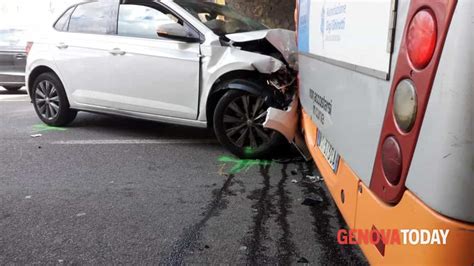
274,54
284,121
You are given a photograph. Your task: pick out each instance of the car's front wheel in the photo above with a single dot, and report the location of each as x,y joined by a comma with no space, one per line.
238,124
50,101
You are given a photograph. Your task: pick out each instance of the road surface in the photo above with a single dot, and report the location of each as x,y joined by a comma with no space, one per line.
115,190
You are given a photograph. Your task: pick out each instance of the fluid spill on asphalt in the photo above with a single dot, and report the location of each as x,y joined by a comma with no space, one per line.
286,247
188,239
258,232
46,128
326,222
265,208
267,205
240,164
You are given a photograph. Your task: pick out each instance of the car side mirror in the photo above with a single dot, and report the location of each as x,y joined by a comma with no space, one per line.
175,31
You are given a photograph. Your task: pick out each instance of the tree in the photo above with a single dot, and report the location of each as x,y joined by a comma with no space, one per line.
273,13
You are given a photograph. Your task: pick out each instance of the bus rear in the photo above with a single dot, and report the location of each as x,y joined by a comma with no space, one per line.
386,89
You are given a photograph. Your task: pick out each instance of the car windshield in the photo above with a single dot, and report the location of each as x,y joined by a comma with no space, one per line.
220,19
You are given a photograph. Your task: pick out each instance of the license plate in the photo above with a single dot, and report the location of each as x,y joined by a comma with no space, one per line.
328,151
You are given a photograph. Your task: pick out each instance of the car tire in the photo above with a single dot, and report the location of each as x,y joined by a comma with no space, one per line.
13,88
50,101
238,125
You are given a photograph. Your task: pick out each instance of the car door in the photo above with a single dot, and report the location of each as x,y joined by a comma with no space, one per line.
82,52
12,56
154,75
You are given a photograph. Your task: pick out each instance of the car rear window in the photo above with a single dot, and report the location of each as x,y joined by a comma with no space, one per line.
63,22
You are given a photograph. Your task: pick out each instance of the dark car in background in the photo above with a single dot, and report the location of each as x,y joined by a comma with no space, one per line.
12,59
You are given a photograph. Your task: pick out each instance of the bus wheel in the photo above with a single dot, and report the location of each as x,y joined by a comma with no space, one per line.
238,124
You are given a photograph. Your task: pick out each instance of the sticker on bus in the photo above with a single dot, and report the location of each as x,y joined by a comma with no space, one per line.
353,34
329,152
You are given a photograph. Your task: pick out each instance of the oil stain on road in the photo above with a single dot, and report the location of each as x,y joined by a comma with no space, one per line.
270,237
326,221
188,240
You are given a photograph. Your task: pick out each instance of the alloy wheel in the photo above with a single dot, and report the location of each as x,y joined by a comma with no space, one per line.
243,122
47,100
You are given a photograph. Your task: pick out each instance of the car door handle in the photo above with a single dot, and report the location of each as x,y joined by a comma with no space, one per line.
117,51
20,56
62,46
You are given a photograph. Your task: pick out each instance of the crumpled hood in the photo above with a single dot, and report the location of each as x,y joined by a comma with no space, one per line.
283,40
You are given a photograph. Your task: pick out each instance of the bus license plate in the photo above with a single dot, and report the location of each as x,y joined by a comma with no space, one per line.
328,151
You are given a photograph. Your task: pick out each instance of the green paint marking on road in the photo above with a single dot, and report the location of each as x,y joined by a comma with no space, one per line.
44,128
249,151
240,164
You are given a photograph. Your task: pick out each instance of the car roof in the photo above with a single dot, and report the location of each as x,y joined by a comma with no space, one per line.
135,1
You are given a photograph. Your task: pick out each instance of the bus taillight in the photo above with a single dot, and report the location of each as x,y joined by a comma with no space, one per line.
405,105
418,59
28,47
297,19
421,38
392,160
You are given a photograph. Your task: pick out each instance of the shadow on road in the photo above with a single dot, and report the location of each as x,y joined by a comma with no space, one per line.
5,92
122,126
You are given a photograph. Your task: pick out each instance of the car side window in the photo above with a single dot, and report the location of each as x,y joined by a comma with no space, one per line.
63,22
12,39
95,17
142,21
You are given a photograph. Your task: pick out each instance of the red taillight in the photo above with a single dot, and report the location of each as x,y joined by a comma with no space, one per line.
419,55
29,45
392,160
297,18
421,38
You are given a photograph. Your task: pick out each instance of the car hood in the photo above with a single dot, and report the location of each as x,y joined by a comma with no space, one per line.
283,40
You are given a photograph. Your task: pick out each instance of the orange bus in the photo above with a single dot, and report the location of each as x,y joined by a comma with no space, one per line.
386,89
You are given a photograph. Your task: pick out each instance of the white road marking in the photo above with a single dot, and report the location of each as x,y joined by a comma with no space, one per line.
134,142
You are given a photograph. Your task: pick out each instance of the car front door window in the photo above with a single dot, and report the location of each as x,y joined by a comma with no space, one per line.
142,21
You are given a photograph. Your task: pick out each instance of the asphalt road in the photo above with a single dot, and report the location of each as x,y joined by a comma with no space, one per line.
113,190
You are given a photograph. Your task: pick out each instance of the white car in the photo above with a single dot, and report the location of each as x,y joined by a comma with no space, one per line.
185,62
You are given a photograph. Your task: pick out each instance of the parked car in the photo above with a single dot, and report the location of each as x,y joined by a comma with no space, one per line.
185,62
12,59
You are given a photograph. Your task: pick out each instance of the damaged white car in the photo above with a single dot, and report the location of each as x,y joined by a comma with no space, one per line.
185,62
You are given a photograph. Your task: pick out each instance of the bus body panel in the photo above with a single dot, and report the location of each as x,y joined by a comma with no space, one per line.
441,173
344,180
440,179
446,130
354,136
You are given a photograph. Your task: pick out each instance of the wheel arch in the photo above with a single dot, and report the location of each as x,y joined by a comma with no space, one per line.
244,79
35,73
